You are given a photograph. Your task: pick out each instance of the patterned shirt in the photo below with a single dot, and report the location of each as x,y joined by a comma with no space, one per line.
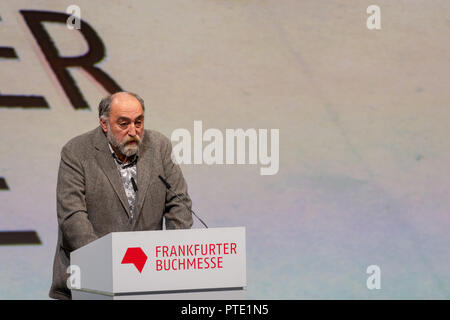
128,172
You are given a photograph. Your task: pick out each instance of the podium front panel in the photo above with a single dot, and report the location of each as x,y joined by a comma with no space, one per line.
179,260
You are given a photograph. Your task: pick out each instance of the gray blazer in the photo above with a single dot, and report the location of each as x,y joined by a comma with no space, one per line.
91,200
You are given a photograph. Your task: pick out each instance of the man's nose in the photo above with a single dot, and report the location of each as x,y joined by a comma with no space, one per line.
132,130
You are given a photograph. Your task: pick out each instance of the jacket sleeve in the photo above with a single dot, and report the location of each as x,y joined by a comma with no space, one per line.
177,216
73,220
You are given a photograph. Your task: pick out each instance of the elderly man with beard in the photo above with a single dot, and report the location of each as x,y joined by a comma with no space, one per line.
108,182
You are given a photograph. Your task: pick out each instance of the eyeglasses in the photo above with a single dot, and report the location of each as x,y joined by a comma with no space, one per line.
123,124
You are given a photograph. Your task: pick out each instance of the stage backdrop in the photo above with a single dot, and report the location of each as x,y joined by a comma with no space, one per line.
349,104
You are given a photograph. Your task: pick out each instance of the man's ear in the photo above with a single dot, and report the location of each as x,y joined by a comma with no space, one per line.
103,125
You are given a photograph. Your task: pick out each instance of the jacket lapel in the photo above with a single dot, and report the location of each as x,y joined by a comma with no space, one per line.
106,162
145,175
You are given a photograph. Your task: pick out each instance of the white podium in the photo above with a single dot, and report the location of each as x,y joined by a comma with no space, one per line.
164,264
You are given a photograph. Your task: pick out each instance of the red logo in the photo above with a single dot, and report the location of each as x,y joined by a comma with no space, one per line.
135,256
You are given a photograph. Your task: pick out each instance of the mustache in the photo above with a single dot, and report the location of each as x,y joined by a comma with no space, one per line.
136,139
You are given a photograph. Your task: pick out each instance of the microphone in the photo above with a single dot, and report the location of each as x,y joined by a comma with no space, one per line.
169,187
135,188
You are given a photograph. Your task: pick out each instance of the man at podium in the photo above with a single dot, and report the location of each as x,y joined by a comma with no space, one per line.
108,182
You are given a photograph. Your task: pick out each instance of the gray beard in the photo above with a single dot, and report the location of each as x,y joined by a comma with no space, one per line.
127,150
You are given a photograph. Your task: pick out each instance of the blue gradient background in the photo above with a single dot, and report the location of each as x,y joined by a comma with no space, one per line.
363,119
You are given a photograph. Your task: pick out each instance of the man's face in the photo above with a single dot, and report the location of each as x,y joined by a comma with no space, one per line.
125,126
